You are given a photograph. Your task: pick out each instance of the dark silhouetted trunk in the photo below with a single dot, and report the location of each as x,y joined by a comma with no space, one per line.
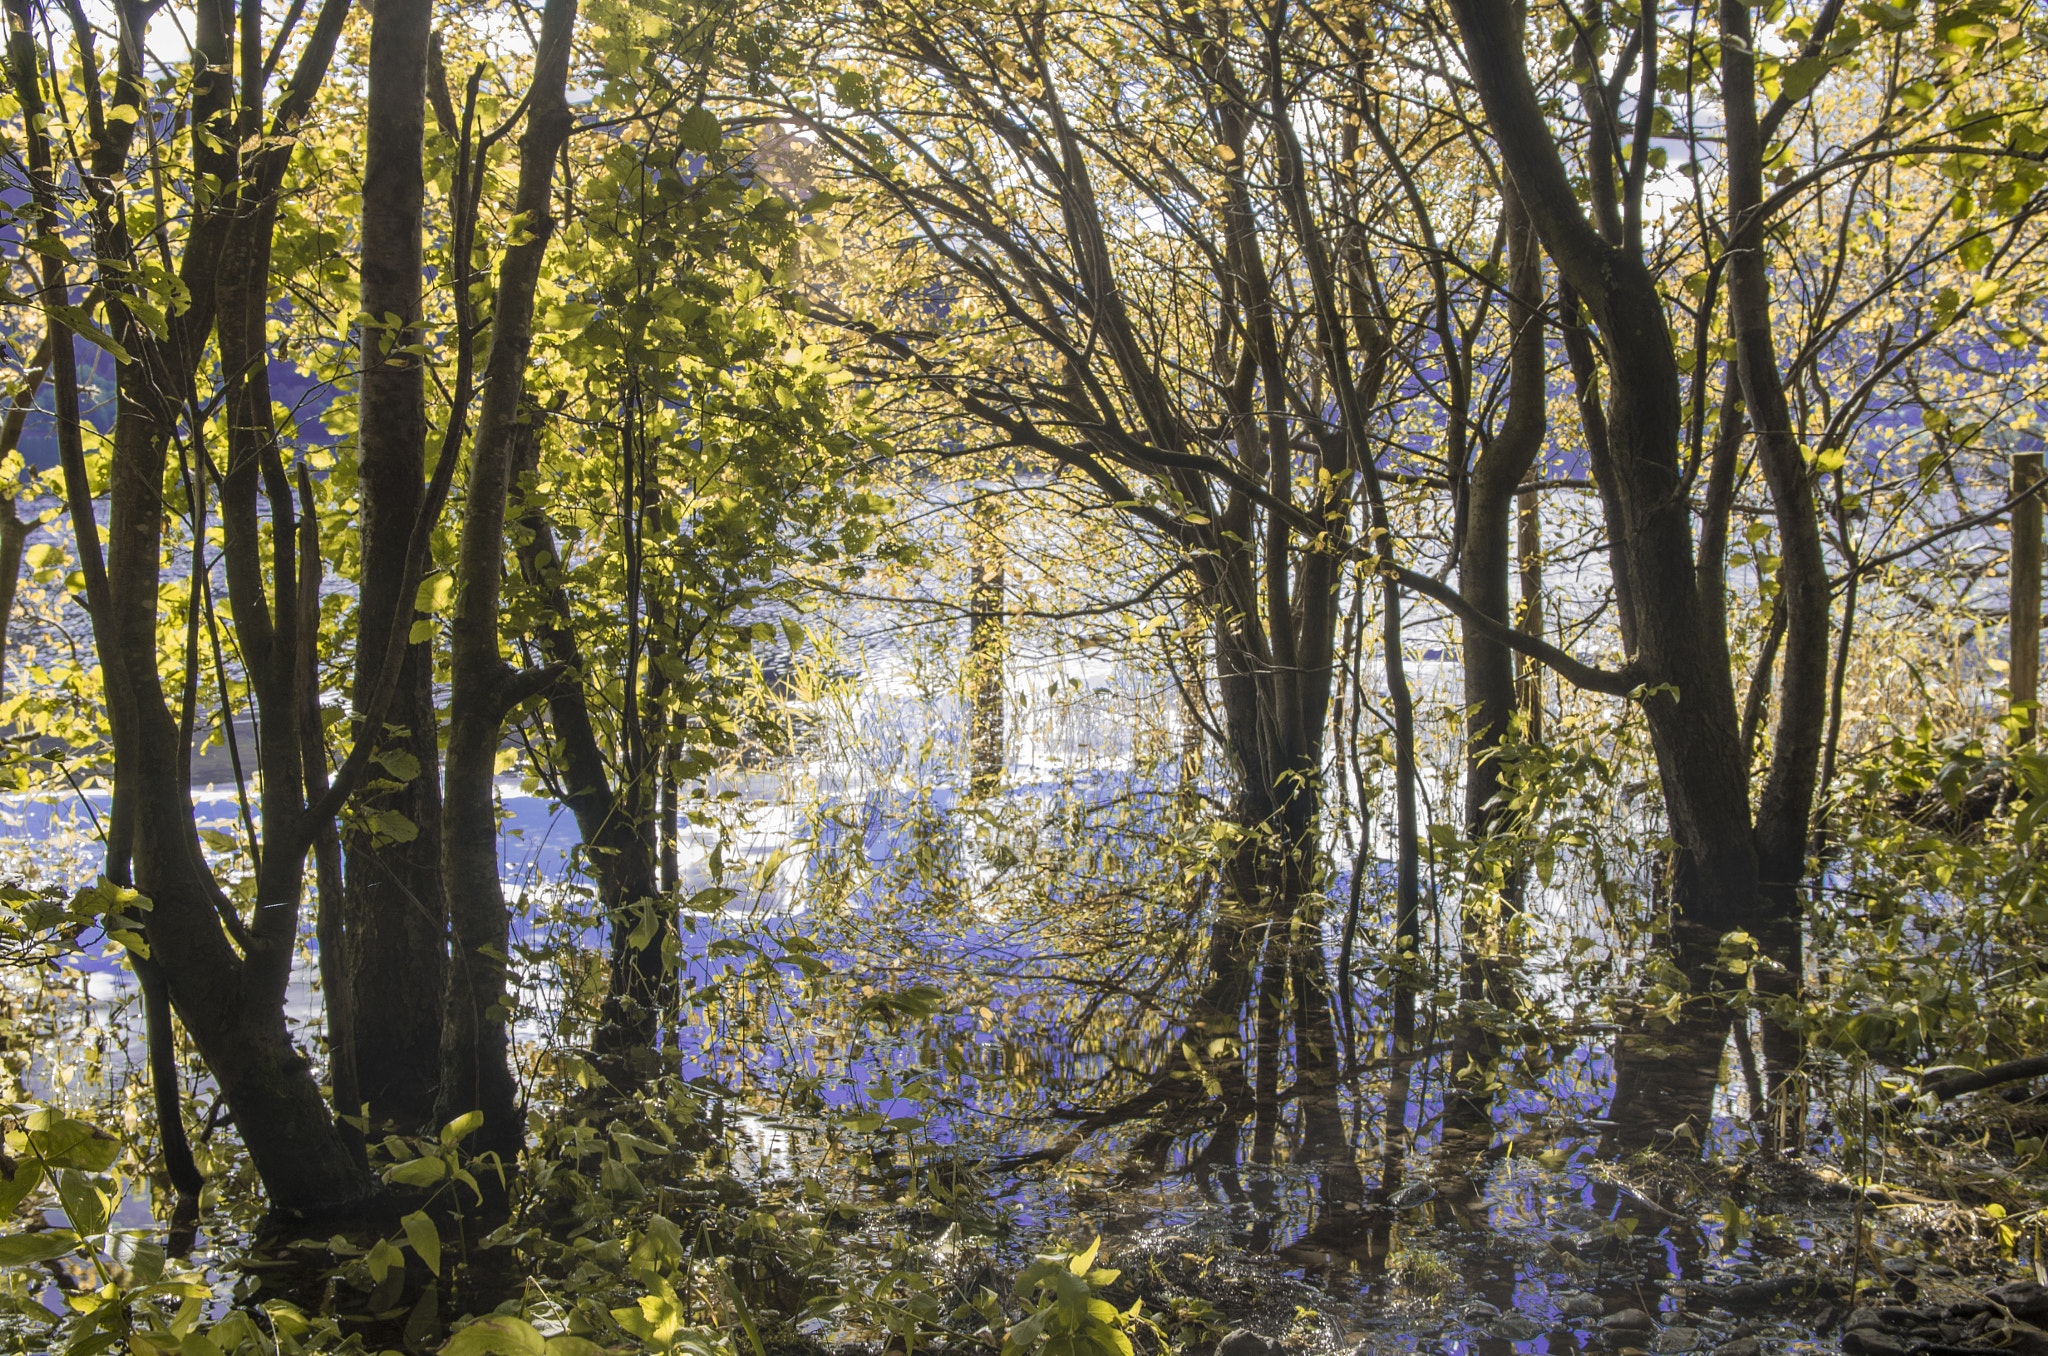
616,822
1493,887
393,913
1529,556
1676,644
476,1069
1784,810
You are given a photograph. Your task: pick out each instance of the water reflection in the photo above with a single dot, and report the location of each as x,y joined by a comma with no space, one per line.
933,982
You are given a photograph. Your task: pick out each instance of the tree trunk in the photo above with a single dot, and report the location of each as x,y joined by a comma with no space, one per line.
13,531
476,1071
1492,895
1784,811
1529,556
393,912
616,824
232,1003
1676,643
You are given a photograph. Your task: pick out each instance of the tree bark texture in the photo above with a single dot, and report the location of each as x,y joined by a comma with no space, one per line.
985,647
393,912
1784,810
616,821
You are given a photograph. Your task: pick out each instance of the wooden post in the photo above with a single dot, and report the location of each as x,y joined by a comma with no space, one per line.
985,647
2024,597
1529,554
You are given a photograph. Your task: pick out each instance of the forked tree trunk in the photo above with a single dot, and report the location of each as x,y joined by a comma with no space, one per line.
476,1069
1676,643
230,995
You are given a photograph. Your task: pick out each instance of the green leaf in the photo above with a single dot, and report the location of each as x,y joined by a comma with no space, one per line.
14,1187
497,1335
1890,18
61,1142
20,1250
393,825
461,1128
1802,75
418,1172
435,593
400,764
80,324
142,1256
382,1257
84,1204
701,130
424,1237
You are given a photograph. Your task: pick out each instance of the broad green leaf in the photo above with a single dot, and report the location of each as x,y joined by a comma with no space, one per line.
85,1206
461,1128
399,764
15,1187
701,130
418,1172
497,1335
391,824
424,1237
382,1257
61,1142
18,1250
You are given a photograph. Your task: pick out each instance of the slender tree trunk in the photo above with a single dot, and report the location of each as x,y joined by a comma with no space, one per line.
476,1070
618,835
13,531
165,1087
393,914
1407,842
1784,812
1267,1045
1492,895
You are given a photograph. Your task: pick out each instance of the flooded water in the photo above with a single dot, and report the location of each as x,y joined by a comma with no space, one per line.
921,985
